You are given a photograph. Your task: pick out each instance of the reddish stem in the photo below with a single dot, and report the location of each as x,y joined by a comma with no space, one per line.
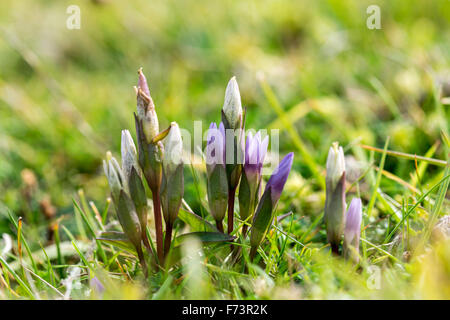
231,196
219,225
168,239
244,230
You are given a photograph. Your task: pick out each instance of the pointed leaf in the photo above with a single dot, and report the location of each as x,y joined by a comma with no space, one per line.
196,222
117,239
205,237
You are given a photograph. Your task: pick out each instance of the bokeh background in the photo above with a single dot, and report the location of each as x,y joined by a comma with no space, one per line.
66,94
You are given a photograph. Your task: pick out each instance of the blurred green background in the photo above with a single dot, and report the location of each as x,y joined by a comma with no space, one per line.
66,94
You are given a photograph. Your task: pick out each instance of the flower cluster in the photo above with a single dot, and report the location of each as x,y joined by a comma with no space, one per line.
233,163
159,164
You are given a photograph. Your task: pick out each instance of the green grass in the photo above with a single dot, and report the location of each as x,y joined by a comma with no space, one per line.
311,69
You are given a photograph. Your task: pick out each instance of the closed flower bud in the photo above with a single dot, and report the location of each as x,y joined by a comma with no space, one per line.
335,164
232,107
215,147
255,152
217,183
128,219
265,211
146,109
173,149
114,175
150,157
172,188
335,196
129,155
353,230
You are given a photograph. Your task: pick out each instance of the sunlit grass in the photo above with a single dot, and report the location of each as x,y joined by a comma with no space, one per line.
311,69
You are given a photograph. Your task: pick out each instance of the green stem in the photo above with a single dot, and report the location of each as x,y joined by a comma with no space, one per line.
158,226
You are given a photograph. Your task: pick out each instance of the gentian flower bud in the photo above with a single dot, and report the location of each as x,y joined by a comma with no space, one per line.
125,208
217,183
150,152
172,188
335,164
114,175
129,155
232,118
146,108
147,128
133,182
232,107
334,215
265,211
255,152
353,230
173,182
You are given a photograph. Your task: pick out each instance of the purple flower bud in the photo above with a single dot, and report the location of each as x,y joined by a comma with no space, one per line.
255,152
334,212
215,146
98,287
353,228
264,213
279,176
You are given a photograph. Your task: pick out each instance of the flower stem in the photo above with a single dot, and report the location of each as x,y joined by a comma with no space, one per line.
231,196
142,261
158,226
168,239
219,225
335,248
244,230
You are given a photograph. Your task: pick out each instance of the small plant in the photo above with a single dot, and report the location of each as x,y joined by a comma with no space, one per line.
231,161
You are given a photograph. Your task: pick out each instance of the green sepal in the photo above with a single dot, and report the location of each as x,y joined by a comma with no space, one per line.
334,214
150,157
117,239
218,192
262,219
246,198
172,191
137,193
128,219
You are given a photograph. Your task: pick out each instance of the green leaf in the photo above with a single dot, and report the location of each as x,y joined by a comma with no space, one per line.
117,239
205,237
128,218
196,222
262,219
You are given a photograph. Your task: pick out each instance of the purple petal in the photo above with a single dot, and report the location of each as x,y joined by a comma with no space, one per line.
223,144
353,220
215,144
263,150
97,285
247,145
279,177
211,133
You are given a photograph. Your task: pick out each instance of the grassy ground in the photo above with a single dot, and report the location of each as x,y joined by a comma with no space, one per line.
309,68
